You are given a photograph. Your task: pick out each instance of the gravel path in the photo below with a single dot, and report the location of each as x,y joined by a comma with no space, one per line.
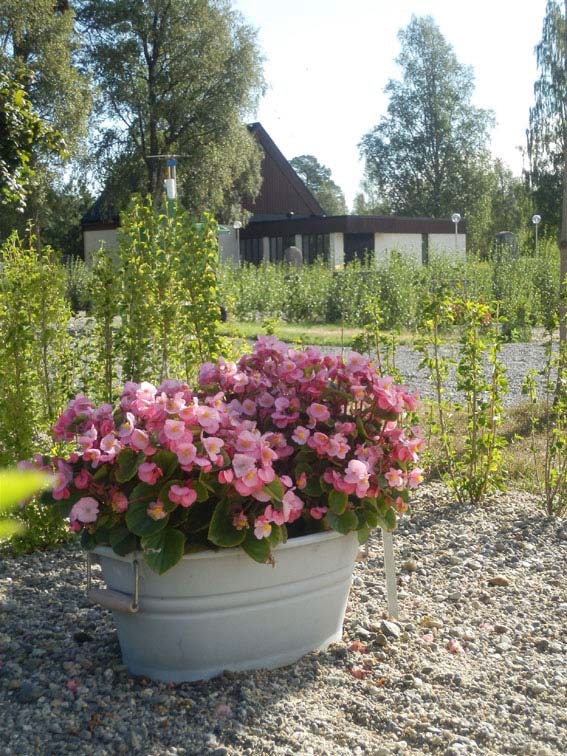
517,358
472,667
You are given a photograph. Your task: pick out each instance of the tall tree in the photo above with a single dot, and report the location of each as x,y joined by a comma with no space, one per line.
21,131
175,76
425,156
38,41
317,178
547,136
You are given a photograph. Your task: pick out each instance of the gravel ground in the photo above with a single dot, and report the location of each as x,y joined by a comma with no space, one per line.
476,664
517,358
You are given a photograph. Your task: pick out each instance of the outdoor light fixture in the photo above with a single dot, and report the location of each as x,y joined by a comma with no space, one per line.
170,182
536,220
456,218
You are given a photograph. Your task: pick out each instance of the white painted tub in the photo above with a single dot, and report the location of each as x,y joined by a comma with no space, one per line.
218,611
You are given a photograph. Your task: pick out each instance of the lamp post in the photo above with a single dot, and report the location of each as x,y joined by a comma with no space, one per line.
456,218
536,220
237,225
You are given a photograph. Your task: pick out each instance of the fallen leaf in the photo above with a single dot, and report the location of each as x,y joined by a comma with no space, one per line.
359,672
357,645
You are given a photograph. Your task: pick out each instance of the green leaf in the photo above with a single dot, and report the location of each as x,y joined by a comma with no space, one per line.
338,501
313,487
342,523
163,550
203,492
87,540
363,534
257,548
128,463
139,523
102,536
123,541
143,492
221,530
17,485
102,472
167,462
390,519
275,490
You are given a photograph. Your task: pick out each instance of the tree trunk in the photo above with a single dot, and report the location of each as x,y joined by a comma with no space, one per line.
563,236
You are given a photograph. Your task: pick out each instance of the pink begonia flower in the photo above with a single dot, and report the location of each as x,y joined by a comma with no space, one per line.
358,392
400,505
301,480
174,429
156,511
267,455
82,480
286,481
213,445
292,506
88,438
110,444
174,404
356,472
300,435
119,501
318,412
317,513
242,463
266,474
149,473
247,441
146,392
395,478
186,453
139,439
226,476
208,418
240,520
266,400
127,425
319,442
183,495
249,407
415,477
250,478
92,456
85,510
274,515
356,361
262,527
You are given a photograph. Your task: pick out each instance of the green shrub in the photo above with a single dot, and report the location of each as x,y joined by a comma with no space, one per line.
79,284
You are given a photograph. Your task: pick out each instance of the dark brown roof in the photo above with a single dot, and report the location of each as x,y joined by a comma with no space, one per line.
282,190
350,224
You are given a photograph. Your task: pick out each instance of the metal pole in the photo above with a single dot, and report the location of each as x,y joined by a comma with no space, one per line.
536,225
390,570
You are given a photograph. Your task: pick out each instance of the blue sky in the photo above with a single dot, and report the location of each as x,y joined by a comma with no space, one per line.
328,61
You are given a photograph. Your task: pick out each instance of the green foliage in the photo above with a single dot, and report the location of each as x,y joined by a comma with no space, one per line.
548,119
79,283
175,77
477,469
318,180
15,486
168,297
546,390
35,353
428,156
21,131
527,288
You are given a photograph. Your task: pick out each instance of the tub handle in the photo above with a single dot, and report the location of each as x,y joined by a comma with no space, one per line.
110,599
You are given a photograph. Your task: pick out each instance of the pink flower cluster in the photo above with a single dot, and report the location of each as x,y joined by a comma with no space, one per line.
274,435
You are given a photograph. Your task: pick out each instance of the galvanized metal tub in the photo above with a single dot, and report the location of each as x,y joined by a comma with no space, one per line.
217,611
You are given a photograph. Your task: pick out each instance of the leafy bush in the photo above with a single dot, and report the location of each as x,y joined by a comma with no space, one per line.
79,284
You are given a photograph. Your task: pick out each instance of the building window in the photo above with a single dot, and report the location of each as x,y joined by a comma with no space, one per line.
425,249
278,244
251,251
315,247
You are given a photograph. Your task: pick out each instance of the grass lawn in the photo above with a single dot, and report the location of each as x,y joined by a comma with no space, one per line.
316,334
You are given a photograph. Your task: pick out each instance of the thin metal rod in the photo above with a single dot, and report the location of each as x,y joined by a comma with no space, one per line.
390,570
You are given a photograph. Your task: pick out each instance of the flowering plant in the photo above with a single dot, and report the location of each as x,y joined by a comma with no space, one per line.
281,444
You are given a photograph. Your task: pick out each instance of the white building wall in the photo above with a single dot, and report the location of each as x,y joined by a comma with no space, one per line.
336,249
92,241
407,244
444,244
